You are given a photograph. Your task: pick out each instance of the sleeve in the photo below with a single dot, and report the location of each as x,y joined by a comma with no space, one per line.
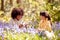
49,26
40,27
11,22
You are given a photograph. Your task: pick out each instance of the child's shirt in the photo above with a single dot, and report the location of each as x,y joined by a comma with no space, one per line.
45,25
14,22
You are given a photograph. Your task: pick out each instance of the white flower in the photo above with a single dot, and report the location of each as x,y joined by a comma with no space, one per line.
49,34
59,34
32,30
1,31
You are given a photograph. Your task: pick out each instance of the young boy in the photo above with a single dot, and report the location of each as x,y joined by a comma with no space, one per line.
16,15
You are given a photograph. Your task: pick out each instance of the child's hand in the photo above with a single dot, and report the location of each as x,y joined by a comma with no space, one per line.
20,25
39,29
26,25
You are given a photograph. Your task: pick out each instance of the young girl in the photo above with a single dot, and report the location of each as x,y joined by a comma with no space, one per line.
45,22
16,15
45,25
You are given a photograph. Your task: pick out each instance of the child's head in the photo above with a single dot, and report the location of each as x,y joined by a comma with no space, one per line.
44,16
17,13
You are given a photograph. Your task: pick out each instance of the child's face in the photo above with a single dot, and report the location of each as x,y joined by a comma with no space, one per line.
42,18
18,17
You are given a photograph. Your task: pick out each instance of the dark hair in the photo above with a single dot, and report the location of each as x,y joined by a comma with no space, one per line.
48,17
45,15
16,12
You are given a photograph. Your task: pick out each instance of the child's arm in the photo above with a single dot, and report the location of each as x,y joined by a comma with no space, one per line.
20,26
40,27
49,27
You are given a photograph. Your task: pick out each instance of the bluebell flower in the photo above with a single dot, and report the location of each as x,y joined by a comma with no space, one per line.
1,24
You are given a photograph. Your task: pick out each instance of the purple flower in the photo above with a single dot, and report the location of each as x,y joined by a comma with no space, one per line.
1,25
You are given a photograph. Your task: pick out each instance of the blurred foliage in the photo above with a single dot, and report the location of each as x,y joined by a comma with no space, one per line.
32,8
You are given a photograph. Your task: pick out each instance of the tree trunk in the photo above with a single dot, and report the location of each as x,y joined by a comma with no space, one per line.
2,5
11,2
50,1
18,1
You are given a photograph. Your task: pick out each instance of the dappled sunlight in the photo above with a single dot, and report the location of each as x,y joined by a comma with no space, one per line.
30,19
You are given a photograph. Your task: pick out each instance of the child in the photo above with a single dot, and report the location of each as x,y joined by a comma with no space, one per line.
16,15
45,22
